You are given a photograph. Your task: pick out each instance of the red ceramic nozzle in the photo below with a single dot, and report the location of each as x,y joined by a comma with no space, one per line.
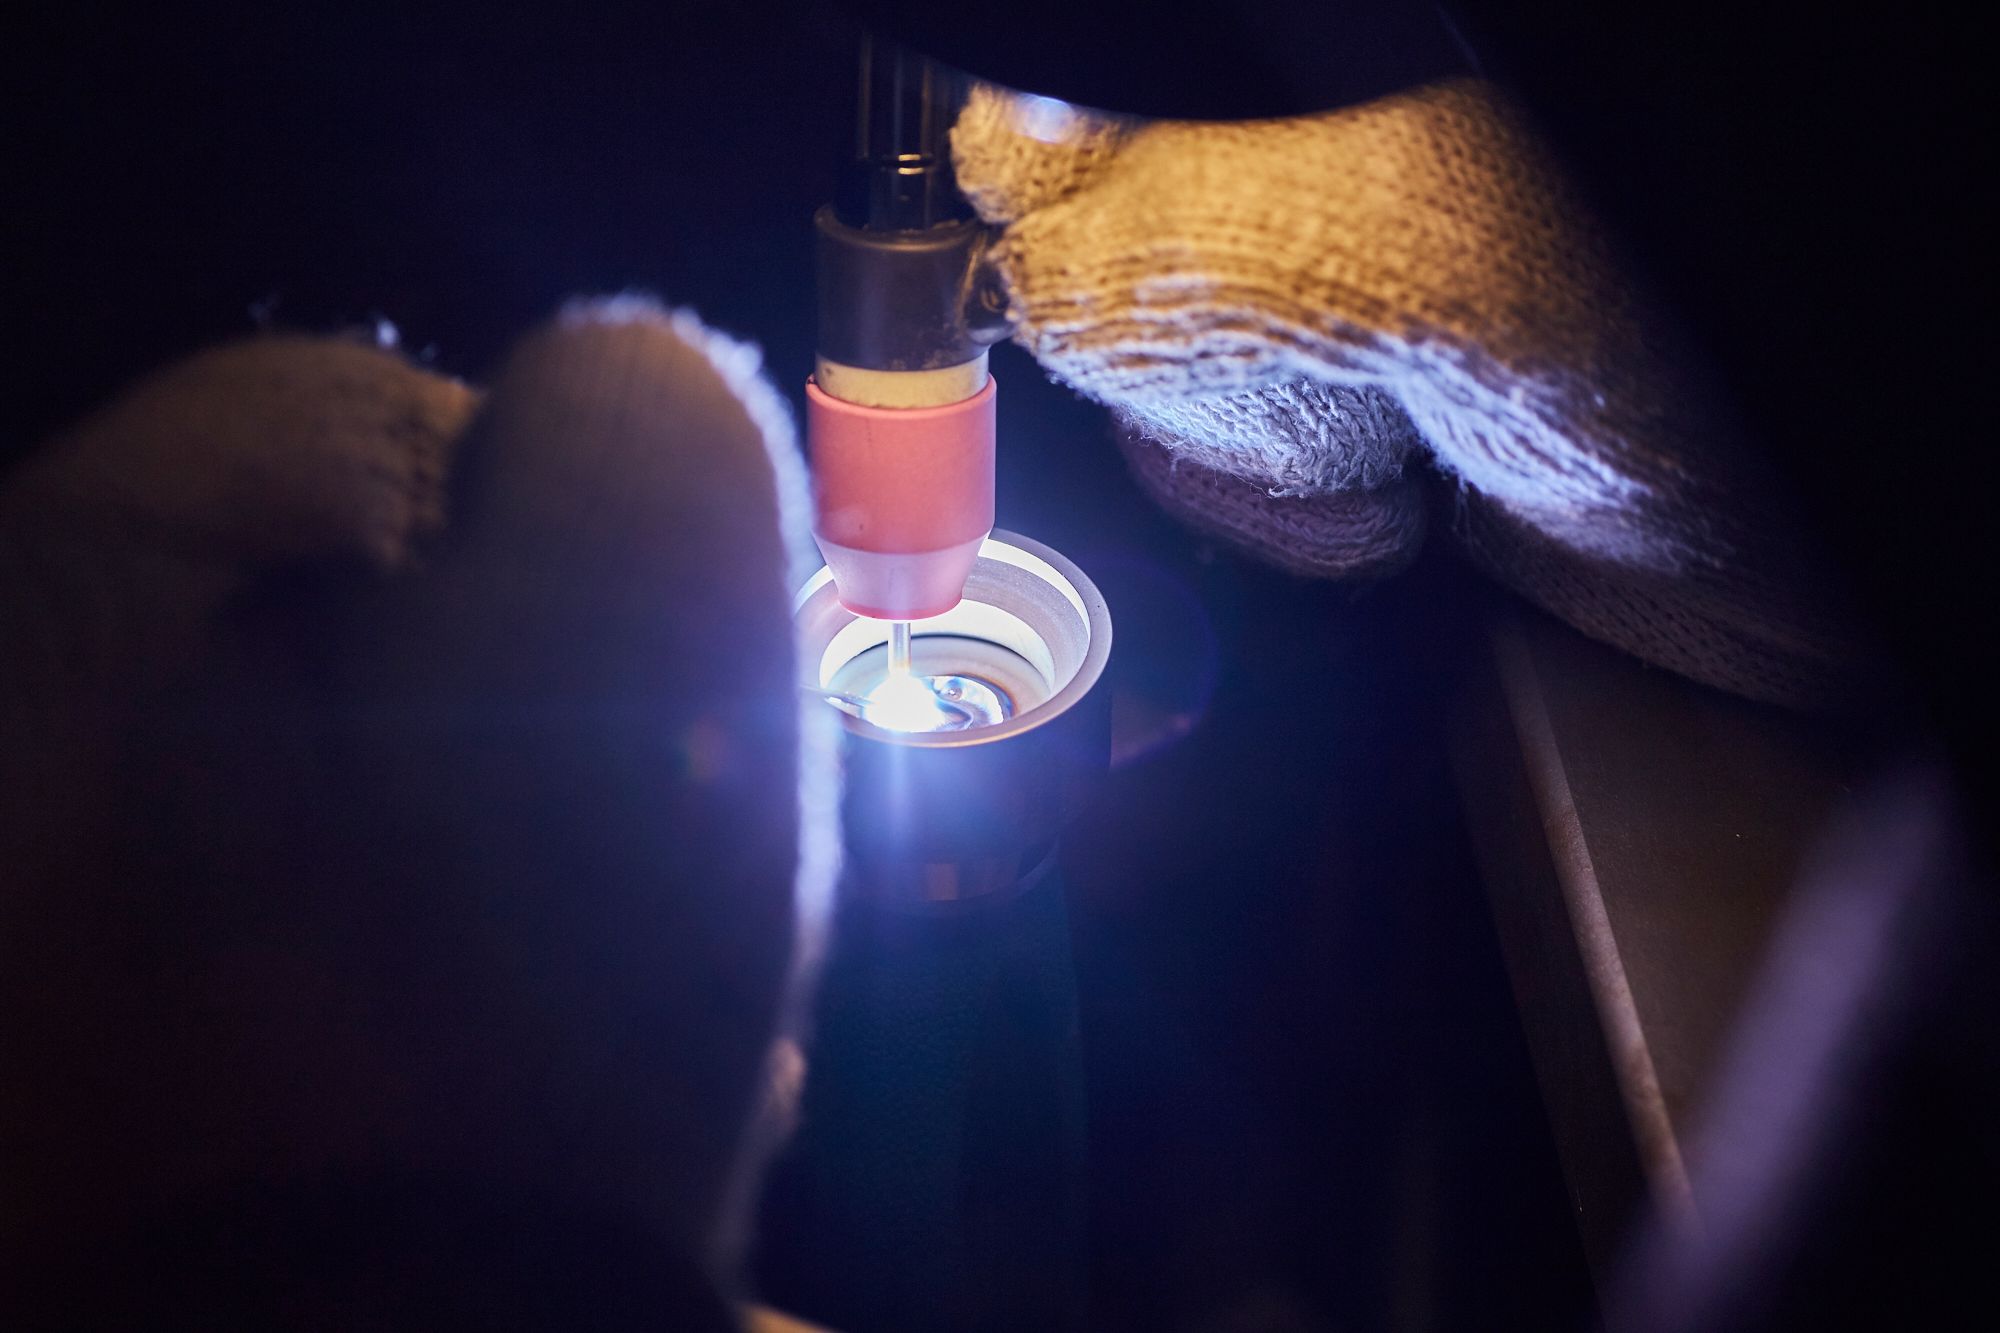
903,497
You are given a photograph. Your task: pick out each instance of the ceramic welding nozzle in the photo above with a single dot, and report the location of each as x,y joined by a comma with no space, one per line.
903,496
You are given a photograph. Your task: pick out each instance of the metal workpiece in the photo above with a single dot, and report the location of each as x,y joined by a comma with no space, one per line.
952,814
936,1184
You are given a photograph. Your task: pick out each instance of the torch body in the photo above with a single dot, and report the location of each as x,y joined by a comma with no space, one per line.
936,1181
900,410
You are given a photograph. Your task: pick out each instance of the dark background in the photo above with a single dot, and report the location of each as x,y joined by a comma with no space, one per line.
1309,1101
185,175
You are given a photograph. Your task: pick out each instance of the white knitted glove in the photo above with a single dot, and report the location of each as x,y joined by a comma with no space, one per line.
377,810
1280,313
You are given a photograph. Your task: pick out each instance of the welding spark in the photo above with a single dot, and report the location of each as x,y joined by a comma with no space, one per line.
909,703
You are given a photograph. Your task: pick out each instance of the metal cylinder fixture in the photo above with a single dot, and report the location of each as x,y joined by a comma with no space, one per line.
936,1182
947,815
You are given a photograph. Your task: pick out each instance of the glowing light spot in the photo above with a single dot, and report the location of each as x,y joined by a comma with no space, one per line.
946,703
1045,118
906,703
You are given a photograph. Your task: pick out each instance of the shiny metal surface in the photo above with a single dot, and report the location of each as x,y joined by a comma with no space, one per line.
919,703
1022,597
996,738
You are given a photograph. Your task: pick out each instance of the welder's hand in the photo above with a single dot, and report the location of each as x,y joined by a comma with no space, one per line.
402,840
1282,314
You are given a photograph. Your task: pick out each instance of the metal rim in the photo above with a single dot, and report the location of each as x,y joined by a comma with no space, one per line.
1097,651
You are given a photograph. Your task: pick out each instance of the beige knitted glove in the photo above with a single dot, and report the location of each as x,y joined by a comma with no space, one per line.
398,802
1282,313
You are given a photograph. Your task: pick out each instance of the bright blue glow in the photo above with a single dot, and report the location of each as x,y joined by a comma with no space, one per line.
907,703
1045,118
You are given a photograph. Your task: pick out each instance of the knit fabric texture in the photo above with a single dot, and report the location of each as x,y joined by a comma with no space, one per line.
1305,307
1331,533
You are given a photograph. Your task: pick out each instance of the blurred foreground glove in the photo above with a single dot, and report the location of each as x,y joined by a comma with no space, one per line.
403,863
1283,313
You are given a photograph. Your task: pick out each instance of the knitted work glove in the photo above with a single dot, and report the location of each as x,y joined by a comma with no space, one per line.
1283,315
404,888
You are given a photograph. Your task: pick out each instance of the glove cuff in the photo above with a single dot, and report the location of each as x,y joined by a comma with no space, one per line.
1354,534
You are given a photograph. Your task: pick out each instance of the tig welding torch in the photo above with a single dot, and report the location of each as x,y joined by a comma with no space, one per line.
900,409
